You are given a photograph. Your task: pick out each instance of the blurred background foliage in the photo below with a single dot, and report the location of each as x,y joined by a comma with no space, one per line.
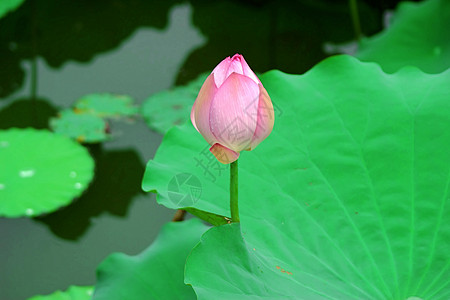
285,35
54,52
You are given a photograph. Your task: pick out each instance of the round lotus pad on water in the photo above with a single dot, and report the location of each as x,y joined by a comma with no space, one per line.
40,171
72,293
85,128
107,105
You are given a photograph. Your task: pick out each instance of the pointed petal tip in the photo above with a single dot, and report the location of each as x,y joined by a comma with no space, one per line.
237,56
224,154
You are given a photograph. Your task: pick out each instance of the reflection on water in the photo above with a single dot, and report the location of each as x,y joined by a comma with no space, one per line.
20,113
117,181
39,256
61,31
33,260
144,63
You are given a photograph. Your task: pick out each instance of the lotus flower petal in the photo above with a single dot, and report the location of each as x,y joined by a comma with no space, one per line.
224,154
233,112
201,108
220,71
265,118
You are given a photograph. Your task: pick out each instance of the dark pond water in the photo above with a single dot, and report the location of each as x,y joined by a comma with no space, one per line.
136,48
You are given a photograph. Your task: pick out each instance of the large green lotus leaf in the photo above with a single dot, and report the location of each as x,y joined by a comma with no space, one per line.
106,105
85,128
165,109
72,293
7,6
348,198
40,171
156,273
419,36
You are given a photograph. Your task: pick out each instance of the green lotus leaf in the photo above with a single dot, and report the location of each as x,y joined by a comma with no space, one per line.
419,36
106,105
72,293
40,171
165,109
348,198
85,128
156,273
7,6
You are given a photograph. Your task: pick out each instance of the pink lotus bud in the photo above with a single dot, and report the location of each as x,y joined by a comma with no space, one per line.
233,111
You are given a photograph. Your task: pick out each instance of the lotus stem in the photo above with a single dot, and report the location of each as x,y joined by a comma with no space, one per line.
355,19
179,215
234,208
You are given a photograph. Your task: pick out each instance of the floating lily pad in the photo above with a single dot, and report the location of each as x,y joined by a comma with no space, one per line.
85,128
7,6
40,171
419,36
156,273
106,105
172,107
72,293
348,198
